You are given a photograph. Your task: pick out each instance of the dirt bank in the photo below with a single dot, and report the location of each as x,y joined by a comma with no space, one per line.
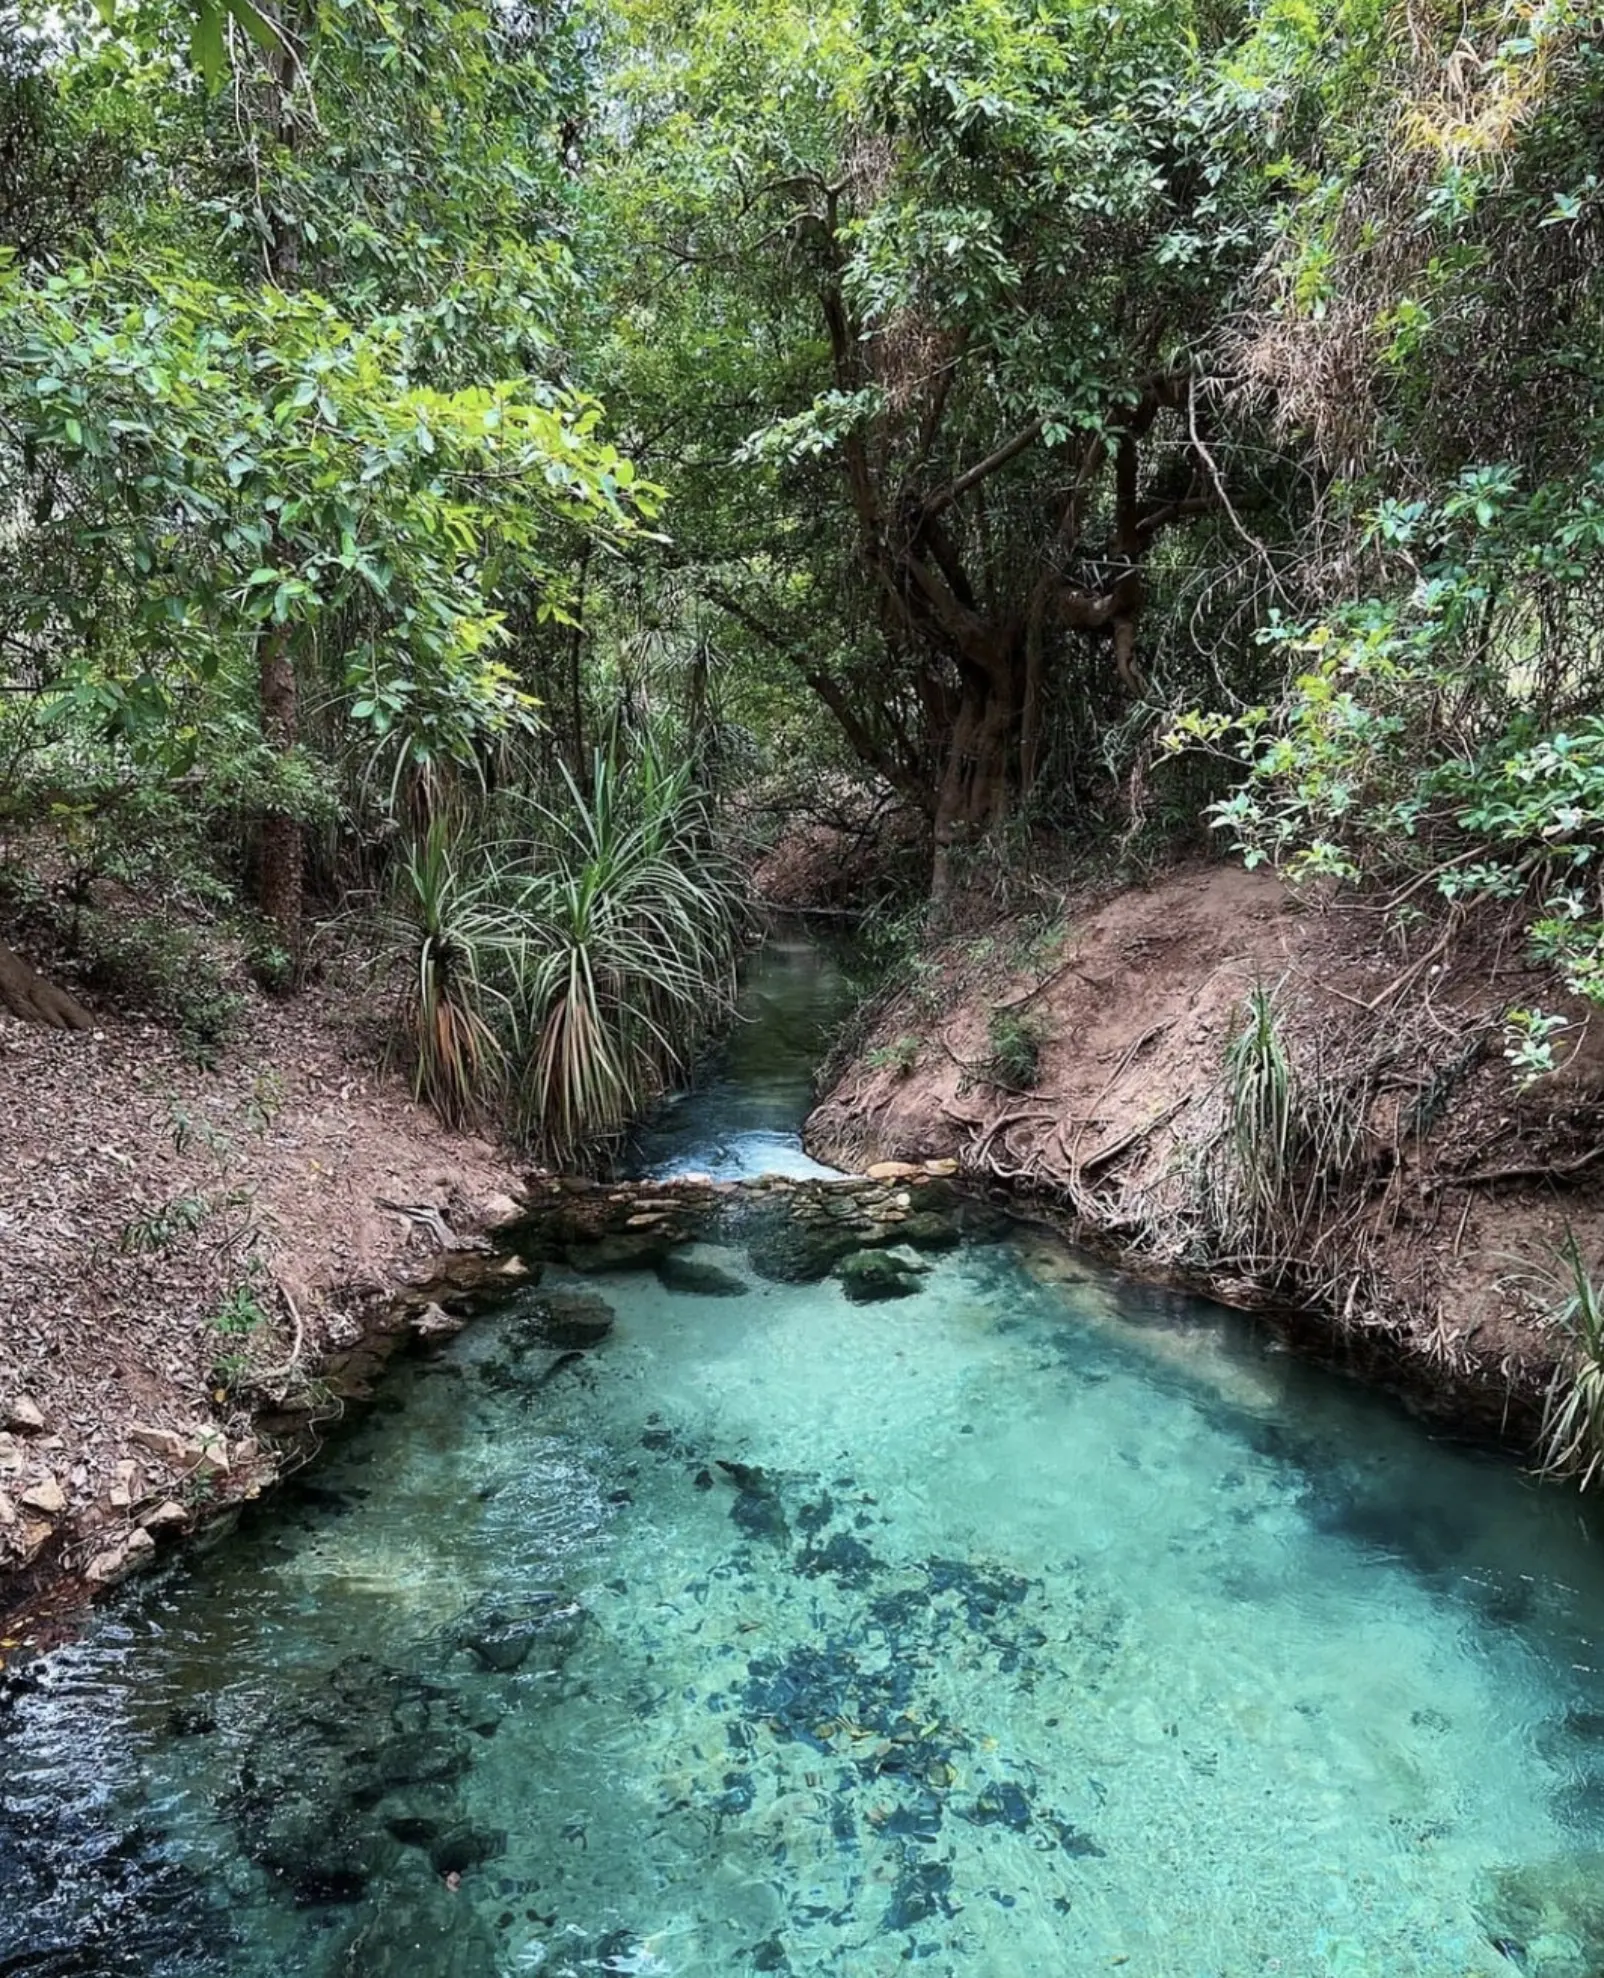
186,1248
1418,1200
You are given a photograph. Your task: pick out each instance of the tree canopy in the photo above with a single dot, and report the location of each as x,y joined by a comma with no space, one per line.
1074,421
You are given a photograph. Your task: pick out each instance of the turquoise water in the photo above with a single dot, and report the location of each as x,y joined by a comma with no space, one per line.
1039,1626
1036,1623
744,1114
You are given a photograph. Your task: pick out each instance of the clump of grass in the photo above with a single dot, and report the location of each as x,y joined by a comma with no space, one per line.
1016,1046
1261,1102
900,1056
1572,1433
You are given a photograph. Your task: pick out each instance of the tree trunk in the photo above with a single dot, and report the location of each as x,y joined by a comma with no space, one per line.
977,781
26,994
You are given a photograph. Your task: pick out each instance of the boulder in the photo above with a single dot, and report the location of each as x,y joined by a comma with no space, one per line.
699,1279
168,1516
206,1453
435,1322
468,1280
926,1230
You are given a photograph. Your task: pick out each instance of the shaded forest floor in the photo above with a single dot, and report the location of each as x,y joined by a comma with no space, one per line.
1423,1221
186,1236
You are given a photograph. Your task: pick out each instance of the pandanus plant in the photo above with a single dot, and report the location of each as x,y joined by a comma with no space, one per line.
633,925
564,970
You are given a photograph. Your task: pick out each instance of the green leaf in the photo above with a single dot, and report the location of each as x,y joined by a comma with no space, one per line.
256,24
208,48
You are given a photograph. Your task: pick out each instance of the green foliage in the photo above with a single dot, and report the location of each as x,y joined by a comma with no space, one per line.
899,1056
967,249
240,1314
1531,1038
634,922
165,1226
561,971
163,967
1016,1045
451,910
1261,1100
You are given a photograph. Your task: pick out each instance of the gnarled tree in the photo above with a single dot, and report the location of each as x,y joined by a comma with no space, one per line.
976,249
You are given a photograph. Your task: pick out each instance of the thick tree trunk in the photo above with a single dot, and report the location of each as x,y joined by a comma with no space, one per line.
978,781
26,994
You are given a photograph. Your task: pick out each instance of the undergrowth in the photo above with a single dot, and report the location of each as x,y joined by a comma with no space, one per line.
1572,1435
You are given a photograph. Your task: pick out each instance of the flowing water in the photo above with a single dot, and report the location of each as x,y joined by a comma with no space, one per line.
1035,1623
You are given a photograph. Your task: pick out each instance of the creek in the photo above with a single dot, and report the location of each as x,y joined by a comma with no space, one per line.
1033,1622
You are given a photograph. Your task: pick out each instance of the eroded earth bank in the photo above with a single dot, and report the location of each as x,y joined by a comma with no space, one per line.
1112,1059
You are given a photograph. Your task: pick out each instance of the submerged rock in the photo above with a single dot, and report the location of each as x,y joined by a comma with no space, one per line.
502,1640
1549,1916
870,1276
1001,1804
922,1890
572,1318
308,1795
621,1250
757,1508
701,1280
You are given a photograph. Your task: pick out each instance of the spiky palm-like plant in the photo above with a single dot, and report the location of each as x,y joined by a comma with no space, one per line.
459,940
1573,1409
632,926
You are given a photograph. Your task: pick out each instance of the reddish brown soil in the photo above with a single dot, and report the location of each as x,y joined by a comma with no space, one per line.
139,1194
1136,996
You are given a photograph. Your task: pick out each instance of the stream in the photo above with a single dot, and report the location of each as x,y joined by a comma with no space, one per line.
1036,1623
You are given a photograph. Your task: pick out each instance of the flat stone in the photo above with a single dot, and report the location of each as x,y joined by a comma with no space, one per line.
943,1167
894,1171
208,1452
165,1443
47,1497
24,1415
